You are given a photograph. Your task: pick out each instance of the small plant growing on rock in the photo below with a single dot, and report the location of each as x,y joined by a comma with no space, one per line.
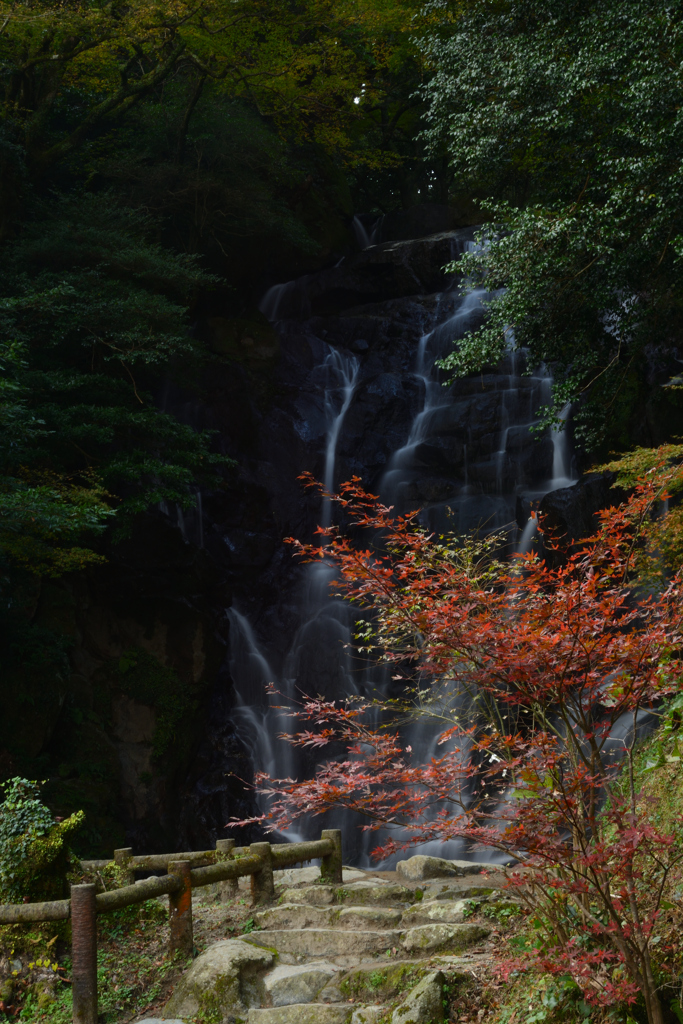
35,858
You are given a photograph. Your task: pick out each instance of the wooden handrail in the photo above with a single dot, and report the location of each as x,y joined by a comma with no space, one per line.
225,864
23,913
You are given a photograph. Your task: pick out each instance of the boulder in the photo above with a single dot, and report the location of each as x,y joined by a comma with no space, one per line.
421,867
471,867
388,271
215,985
429,937
424,1005
570,512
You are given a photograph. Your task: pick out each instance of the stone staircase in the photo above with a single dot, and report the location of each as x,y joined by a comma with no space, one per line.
369,951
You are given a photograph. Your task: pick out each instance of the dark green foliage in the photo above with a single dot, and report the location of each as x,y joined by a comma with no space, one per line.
221,189
95,315
568,117
34,852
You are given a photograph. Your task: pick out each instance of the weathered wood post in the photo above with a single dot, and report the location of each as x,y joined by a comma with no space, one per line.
123,859
180,909
227,889
331,866
262,885
84,954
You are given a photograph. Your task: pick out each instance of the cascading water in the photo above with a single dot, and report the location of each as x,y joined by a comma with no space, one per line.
466,456
365,238
485,499
317,651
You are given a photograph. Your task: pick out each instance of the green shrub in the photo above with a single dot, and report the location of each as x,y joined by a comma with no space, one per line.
35,858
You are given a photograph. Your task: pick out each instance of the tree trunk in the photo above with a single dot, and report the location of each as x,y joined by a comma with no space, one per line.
185,124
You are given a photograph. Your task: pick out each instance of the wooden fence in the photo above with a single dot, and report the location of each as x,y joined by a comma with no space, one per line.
225,865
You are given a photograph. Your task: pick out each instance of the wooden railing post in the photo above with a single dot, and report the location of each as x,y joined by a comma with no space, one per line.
84,954
262,885
331,866
227,889
180,909
122,859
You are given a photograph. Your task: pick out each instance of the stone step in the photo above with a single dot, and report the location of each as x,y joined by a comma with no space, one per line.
287,984
444,891
295,915
435,912
369,892
369,1014
428,937
295,876
369,917
326,941
302,1013
377,981
365,893
317,1013
312,895
298,915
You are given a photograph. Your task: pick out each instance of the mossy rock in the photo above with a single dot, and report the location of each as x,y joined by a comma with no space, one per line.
382,982
212,989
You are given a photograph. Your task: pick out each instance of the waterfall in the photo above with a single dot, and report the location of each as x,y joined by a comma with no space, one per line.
362,236
318,659
272,303
258,725
561,475
366,238
342,370
466,455
436,399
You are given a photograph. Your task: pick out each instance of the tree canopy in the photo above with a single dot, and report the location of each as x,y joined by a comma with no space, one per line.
565,119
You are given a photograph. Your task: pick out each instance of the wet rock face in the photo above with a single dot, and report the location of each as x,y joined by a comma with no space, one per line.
570,512
387,271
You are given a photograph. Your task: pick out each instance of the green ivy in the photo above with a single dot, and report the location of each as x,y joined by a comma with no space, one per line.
34,853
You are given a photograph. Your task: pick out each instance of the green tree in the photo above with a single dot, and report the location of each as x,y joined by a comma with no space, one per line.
96,314
566,118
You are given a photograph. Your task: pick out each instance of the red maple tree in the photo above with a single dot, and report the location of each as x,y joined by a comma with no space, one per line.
537,673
